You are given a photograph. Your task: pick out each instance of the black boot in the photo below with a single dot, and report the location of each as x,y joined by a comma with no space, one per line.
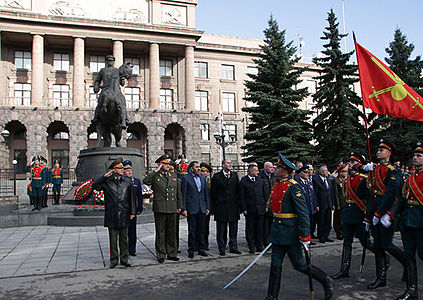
274,283
324,280
380,271
37,203
345,264
398,254
412,291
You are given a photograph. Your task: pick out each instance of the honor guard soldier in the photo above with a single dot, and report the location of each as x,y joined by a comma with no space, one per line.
47,181
37,182
411,208
354,191
290,229
132,228
182,168
57,181
167,204
384,180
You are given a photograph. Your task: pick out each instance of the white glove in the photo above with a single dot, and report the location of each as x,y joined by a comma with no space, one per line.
366,226
305,244
386,220
375,220
368,167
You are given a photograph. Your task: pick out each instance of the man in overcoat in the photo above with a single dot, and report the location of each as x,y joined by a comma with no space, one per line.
119,205
226,206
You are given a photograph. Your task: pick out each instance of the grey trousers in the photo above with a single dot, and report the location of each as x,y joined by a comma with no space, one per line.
166,234
123,245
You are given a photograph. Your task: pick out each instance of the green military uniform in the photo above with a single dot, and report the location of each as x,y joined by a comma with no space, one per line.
411,208
385,182
354,193
291,223
167,200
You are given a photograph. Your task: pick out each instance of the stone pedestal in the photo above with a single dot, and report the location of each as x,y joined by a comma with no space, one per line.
94,162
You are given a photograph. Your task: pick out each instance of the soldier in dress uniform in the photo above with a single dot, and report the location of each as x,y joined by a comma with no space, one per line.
57,181
182,167
47,181
341,171
411,208
37,182
167,205
290,229
354,192
132,227
385,181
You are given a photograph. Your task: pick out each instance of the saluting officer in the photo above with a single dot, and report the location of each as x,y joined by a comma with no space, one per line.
354,191
57,181
411,208
290,229
37,182
385,181
167,205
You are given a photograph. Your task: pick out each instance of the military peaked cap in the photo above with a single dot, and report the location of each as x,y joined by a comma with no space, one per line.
418,147
164,159
127,164
285,163
387,144
117,163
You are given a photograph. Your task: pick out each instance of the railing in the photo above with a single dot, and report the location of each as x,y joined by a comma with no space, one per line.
6,181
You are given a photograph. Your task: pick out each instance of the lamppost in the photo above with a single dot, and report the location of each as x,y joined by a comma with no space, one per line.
5,134
220,140
15,165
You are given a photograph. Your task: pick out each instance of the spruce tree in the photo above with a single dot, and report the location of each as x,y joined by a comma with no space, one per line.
402,132
277,124
337,127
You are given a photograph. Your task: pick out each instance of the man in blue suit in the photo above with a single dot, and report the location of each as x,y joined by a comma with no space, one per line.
196,206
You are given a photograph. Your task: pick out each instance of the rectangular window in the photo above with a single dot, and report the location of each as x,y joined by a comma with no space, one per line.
252,70
61,62
20,156
205,157
62,156
200,69
233,157
166,67
166,99
61,95
228,130
132,97
205,132
97,63
228,72
23,94
93,98
23,60
201,99
136,64
228,102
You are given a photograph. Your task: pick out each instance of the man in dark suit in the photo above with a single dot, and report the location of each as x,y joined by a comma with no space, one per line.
206,170
253,206
119,208
226,206
268,179
132,229
323,190
196,206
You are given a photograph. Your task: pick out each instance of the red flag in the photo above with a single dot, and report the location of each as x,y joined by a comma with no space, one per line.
383,91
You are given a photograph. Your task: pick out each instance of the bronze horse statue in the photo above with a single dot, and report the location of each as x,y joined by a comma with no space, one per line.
111,109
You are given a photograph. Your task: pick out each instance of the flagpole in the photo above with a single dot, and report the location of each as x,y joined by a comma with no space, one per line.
370,160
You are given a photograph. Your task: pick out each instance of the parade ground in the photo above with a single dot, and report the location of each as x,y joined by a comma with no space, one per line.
48,262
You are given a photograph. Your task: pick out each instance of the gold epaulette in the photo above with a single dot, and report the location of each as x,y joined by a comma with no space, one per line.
363,175
293,181
391,167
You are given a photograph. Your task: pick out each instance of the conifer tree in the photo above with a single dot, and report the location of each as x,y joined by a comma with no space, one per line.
402,132
276,123
337,128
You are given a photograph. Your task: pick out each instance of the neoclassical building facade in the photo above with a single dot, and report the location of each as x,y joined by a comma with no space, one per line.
51,52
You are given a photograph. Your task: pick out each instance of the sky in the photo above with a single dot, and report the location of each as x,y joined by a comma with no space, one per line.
373,21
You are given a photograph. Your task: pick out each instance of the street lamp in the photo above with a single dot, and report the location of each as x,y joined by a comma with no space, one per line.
15,165
220,140
5,134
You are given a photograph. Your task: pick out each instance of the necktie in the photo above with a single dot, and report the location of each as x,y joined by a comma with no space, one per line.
326,183
253,179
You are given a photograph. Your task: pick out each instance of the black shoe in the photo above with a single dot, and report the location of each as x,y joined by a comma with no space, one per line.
173,258
179,251
329,240
222,253
236,251
322,241
113,265
132,254
251,251
190,254
126,264
35,208
202,253
259,249
312,243
160,260
206,249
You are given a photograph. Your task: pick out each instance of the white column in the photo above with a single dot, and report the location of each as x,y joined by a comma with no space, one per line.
154,102
37,80
78,72
189,78
118,53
